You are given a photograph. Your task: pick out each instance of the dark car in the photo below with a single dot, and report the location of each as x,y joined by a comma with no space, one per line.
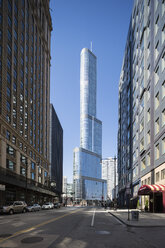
57,205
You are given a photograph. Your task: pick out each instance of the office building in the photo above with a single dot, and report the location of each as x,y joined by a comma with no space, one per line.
109,173
141,133
25,32
56,153
88,184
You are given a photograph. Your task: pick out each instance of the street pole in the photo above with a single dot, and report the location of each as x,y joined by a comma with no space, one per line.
115,178
26,180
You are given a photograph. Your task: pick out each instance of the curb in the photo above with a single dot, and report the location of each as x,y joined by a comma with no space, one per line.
129,225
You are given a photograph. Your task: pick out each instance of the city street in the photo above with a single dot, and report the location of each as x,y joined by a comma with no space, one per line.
75,227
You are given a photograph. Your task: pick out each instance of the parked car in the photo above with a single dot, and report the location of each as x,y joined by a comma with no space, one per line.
57,205
33,208
15,207
48,205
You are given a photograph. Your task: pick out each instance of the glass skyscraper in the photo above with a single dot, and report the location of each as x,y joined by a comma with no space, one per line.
87,180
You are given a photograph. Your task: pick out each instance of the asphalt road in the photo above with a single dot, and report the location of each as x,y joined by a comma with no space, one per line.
75,228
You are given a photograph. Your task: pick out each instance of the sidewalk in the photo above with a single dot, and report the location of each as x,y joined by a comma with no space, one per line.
146,219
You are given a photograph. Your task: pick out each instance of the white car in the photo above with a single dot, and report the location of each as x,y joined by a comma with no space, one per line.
48,205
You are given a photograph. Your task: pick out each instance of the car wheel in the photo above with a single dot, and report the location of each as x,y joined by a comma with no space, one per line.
11,211
24,210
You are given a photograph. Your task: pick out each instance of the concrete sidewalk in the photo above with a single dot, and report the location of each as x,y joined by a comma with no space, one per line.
146,219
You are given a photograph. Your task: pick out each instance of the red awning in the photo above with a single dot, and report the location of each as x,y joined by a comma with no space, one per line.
148,189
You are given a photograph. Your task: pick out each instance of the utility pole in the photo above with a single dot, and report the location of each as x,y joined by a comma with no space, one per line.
115,177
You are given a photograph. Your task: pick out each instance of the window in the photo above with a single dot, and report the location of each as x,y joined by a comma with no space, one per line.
143,164
156,50
10,150
157,151
142,125
23,159
8,78
9,6
15,34
8,64
32,165
8,92
10,164
32,176
22,171
9,49
162,174
157,176
9,21
148,159
15,21
163,62
163,145
15,48
39,170
14,139
163,117
14,87
9,35
157,75
7,135
157,126
148,115
157,101
163,90
149,180
8,106
148,137
39,179
163,34
142,144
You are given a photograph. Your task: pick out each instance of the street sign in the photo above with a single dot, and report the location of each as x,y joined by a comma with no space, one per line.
2,187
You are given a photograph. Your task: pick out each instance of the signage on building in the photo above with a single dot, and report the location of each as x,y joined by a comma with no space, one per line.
2,187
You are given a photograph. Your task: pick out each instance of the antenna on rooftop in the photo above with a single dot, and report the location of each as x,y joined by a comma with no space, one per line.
91,46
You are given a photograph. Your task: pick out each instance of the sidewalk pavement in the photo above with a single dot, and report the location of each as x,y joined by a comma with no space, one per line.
146,219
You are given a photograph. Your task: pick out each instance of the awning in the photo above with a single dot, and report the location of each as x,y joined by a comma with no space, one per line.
148,189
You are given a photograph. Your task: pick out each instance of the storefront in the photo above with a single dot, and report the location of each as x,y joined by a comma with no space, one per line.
156,197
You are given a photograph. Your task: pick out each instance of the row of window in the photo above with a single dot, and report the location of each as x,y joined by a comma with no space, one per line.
11,166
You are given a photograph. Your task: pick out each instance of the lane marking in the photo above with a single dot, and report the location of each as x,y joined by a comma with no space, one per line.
93,218
38,225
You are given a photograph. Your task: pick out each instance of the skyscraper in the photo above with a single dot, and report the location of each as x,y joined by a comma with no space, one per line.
141,132
56,152
109,173
25,32
88,184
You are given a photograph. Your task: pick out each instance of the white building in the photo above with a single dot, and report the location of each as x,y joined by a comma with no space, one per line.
109,170
64,185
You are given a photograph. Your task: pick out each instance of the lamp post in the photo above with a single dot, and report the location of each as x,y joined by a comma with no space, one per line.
26,163
115,178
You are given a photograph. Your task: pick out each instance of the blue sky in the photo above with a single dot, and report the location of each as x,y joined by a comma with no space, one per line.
75,24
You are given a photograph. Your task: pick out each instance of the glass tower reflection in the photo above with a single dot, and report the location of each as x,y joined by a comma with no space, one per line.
87,180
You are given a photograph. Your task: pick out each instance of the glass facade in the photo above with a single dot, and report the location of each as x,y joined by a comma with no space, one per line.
88,184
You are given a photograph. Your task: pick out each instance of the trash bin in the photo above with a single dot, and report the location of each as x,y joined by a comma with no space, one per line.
135,215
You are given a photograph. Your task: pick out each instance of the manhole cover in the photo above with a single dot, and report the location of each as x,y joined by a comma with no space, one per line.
102,232
31,240
5,235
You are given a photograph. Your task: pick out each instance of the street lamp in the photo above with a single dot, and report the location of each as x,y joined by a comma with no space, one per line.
26,163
